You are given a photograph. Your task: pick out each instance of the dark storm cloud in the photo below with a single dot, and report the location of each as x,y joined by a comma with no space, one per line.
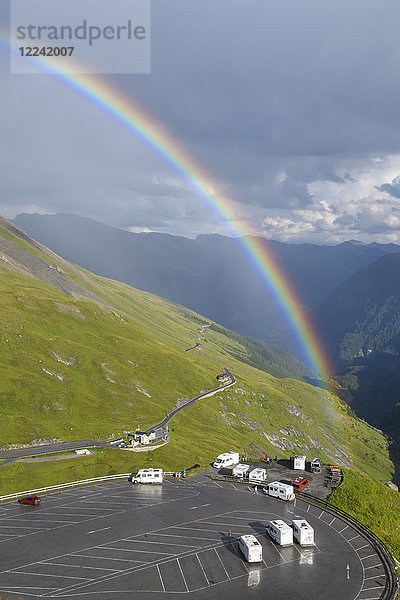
393,189
269,97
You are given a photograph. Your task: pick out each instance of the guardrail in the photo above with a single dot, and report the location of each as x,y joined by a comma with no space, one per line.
62,486
392,581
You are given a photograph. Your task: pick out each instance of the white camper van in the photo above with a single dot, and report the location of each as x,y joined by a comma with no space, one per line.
228,459
240,470
280,490
303,533
280,532
148,476
316,465
251,548
258,475
299,462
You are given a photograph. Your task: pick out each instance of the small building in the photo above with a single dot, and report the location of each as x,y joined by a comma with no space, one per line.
223,377
82,451
148,437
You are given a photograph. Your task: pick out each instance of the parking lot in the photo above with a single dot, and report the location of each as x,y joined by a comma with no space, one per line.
119,540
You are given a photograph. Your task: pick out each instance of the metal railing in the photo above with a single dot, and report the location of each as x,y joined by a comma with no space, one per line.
392,582
62,486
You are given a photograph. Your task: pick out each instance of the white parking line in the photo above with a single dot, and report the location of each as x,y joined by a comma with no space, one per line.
223,566
47,575
94,557
183,577
96,530
185,536
161,579
79,566
23,527
162,543
201,566
369,556
133,550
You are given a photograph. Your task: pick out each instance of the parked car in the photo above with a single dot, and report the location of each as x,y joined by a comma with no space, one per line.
300,483
29,500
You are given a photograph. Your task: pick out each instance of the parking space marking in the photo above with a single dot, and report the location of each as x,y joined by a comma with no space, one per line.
133,550
163,543
183,577
201,566
184,536
97,530
47,575
130,560
161,579
223,566
79,566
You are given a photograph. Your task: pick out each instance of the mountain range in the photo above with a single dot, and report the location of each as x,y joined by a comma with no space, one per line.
209,274
360,324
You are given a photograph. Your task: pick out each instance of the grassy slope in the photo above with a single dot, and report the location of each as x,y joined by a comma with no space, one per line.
130,342
374,504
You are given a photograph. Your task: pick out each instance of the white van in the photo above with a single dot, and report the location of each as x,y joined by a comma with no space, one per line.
303,533
316,465
280,532
299,463
226,460
240,470
148,476
280,490
251,548
258,475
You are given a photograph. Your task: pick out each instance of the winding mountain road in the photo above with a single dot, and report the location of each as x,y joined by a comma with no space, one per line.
9,456
163,424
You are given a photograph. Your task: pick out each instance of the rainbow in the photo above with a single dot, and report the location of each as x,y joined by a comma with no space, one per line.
133,117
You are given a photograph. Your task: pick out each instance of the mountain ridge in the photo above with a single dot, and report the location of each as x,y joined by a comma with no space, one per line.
210,275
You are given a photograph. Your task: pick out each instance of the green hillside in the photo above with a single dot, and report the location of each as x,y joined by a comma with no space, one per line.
85,357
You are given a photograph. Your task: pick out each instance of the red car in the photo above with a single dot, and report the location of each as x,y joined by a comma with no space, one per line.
300,483
29,500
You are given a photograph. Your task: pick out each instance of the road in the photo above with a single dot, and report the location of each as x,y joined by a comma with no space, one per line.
163,424
10,456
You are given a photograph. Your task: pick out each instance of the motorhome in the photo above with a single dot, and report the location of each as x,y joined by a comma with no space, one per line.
228,459
280,532
240,470
258,475
316,465
148,476
299,462
303,533
280,490
250,547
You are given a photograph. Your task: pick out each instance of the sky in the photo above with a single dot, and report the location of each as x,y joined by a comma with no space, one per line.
291,106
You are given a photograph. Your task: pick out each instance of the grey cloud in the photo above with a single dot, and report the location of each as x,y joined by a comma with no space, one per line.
393,189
